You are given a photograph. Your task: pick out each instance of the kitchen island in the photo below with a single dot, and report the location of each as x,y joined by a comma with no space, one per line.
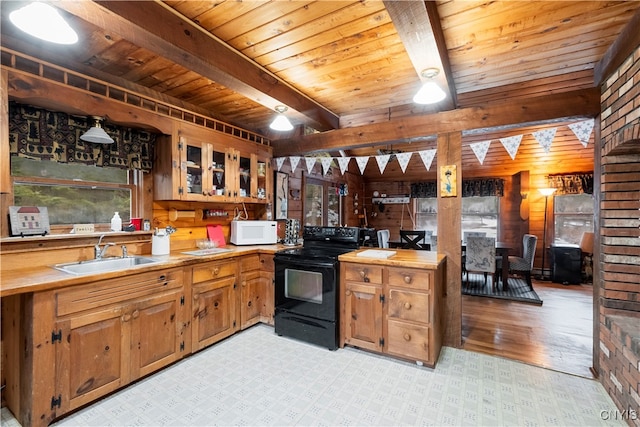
392,301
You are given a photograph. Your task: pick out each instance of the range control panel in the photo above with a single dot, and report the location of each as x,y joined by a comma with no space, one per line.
336,234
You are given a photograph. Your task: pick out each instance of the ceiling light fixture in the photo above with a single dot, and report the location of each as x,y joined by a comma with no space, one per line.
430,92
281,122
44,22
96,134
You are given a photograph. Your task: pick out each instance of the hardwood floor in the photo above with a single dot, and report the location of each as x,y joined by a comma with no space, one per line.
556,335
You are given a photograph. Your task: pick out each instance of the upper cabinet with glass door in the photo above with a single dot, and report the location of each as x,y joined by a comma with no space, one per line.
203,165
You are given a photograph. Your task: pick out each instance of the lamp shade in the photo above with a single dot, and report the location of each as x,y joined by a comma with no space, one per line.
96,134
44,22
281,123
546,191
429,93
586,243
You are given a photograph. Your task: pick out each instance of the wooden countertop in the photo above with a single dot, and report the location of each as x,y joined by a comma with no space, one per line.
401,258
13,282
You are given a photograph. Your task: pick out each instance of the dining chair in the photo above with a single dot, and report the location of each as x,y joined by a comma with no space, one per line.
412,239
465,236
524,264
481,258
383,238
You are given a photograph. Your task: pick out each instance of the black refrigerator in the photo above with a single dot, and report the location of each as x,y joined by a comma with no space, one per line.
566,263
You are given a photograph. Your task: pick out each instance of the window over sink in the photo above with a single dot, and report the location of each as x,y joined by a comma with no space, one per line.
74,193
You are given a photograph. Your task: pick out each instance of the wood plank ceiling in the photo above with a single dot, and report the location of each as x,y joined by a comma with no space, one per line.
340,65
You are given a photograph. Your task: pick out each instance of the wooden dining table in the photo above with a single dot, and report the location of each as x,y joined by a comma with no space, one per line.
502,249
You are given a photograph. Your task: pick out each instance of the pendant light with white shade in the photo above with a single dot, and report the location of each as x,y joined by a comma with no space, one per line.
96,134
44,22
281,123
430,92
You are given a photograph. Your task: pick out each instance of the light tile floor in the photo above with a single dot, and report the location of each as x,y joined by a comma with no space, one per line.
258,378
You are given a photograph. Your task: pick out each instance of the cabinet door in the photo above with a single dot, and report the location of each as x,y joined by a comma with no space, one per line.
219,181
92,359
363,316
194,163
246,165
157,332
214,311
251,299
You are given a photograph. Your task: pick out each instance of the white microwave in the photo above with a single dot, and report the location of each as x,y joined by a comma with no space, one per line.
254,232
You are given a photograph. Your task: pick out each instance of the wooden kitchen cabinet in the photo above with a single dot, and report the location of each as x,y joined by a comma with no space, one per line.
199,164
256,285
392,309
214,302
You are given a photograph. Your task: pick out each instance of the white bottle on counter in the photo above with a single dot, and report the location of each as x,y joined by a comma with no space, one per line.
116,222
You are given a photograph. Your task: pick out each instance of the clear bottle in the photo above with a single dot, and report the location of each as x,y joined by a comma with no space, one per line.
116,222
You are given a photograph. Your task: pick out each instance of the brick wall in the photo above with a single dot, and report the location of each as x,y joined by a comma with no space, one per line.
619,273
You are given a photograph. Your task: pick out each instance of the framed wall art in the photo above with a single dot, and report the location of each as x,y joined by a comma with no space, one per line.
282,191
448,181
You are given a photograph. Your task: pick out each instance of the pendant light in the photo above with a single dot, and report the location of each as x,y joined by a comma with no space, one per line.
96,134
430,92
44,22
281,123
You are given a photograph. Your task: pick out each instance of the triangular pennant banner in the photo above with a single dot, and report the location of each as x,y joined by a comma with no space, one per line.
427,157
583,130
310,161
545,138
326,164
382,160
480,149
511,144
280,162
403,159
294,160
362,163
343,162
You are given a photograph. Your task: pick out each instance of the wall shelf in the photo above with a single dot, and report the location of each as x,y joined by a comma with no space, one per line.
398,200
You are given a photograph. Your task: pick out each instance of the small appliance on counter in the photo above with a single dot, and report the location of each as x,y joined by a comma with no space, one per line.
254,232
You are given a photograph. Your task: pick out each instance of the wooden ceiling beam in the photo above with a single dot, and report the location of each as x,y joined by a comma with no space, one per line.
160,29
418,26
578,103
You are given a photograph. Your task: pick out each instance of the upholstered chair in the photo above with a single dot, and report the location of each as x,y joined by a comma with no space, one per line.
481,257
524,264
383,238
465,236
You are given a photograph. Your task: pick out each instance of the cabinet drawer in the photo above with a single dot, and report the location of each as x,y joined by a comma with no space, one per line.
408,305
411,278
113,291
363,273
249,262
409,340
266,262
214,270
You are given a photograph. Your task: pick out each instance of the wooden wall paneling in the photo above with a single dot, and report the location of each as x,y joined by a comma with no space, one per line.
450,219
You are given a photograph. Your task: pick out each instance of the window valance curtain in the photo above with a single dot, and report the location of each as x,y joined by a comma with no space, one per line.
470,188
574,183
41,134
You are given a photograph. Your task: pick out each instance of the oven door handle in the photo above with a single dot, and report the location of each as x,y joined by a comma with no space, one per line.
299,262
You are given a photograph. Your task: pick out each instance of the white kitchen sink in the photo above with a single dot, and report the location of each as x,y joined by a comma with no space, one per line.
104,265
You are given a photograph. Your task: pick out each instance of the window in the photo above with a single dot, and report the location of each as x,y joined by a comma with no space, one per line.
91,196
479,214
573,216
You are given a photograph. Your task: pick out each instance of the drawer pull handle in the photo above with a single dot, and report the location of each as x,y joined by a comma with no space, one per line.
407,305
407,337
126,317
162,278
215,271
135,314
196,296
348,293
407,279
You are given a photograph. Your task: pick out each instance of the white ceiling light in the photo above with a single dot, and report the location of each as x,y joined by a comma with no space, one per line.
44,22
96,134
281,122
430,92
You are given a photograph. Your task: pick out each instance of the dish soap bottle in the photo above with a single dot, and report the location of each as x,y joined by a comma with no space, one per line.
116,222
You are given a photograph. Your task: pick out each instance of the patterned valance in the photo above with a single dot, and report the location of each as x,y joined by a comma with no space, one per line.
575,183
470,188
40,134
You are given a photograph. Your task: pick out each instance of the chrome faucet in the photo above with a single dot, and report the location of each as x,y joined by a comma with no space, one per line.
99,252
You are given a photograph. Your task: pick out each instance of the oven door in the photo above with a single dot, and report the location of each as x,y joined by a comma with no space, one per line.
306,287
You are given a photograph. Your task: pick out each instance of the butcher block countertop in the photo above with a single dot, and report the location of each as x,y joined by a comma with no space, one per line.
398,257
41,278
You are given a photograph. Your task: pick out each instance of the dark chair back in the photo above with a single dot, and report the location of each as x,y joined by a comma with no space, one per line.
412,239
